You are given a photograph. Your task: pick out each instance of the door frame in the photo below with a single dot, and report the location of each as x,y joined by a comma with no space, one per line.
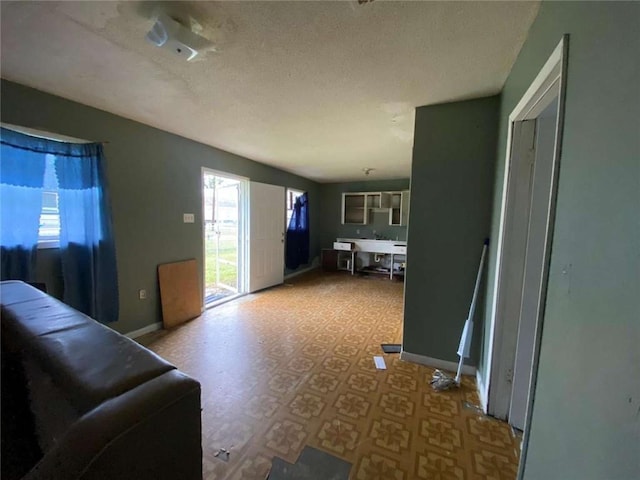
243,232
496,392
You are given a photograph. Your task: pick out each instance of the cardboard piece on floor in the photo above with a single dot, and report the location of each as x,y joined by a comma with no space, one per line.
180,293
379,361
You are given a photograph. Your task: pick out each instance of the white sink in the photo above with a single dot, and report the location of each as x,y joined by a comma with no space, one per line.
397,247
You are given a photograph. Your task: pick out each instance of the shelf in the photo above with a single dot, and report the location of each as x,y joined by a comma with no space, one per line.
381,271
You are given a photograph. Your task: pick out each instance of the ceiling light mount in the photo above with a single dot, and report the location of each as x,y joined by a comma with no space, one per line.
171,35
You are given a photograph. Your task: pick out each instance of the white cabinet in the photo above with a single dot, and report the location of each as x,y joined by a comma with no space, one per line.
354,208
378,199
357,205
399,208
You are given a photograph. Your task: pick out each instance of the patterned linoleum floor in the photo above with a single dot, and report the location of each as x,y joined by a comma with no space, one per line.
293,366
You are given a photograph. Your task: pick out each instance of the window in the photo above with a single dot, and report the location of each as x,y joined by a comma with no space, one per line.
53,195
49,231
292,196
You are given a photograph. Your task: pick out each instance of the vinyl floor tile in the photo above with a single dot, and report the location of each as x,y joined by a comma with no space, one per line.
293,366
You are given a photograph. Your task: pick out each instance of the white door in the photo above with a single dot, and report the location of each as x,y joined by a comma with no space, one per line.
514,245
266,235
534,257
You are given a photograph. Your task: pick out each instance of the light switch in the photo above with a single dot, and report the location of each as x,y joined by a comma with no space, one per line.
188,218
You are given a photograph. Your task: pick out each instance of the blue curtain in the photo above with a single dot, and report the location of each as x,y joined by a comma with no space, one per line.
297,249
87,247
21,178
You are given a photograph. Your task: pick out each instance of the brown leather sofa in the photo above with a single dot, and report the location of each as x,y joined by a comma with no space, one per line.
80,401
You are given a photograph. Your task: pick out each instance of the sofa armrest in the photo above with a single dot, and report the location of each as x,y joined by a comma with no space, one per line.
150,432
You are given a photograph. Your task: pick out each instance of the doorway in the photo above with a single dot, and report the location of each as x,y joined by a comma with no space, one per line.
224,236
524,245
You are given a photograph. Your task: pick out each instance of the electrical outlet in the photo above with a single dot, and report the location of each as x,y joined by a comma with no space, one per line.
142,294
188,218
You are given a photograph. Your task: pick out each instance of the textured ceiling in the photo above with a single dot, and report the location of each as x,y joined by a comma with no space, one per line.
321,89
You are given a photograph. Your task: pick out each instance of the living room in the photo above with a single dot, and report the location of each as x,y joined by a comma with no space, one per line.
456,166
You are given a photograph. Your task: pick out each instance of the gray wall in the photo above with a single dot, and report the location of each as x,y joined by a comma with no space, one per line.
154,177
452,178
331,204
586,422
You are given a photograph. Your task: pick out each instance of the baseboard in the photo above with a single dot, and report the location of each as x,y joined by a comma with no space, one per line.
144,330
482,394
436,363
300,272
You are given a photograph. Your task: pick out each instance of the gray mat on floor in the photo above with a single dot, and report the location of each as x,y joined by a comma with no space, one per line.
391,347
313,464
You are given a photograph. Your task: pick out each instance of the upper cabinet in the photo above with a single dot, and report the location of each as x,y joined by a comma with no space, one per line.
399,208
356,206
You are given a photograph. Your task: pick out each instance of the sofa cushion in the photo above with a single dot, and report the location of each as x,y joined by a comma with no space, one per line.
13,291
88,361
38,317
93,363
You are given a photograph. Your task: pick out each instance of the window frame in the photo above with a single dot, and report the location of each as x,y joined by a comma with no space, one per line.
291,195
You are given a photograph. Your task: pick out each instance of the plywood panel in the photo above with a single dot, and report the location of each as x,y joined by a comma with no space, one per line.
179,292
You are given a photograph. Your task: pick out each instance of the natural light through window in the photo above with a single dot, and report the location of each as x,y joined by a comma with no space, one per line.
49,231
292,196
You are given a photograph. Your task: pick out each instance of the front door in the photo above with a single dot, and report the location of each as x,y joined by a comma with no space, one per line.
223,233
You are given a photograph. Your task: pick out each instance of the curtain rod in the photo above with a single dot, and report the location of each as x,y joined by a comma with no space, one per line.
42,133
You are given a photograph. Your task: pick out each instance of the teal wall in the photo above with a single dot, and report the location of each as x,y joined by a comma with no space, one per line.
452,179
586,421
331,203
154,177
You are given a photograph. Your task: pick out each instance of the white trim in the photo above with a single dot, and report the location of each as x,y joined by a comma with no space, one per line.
549,73
557,155
221,301
144,330
203,232
528,104
220,173
48,244
34,132
482,391
300,272
435,363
